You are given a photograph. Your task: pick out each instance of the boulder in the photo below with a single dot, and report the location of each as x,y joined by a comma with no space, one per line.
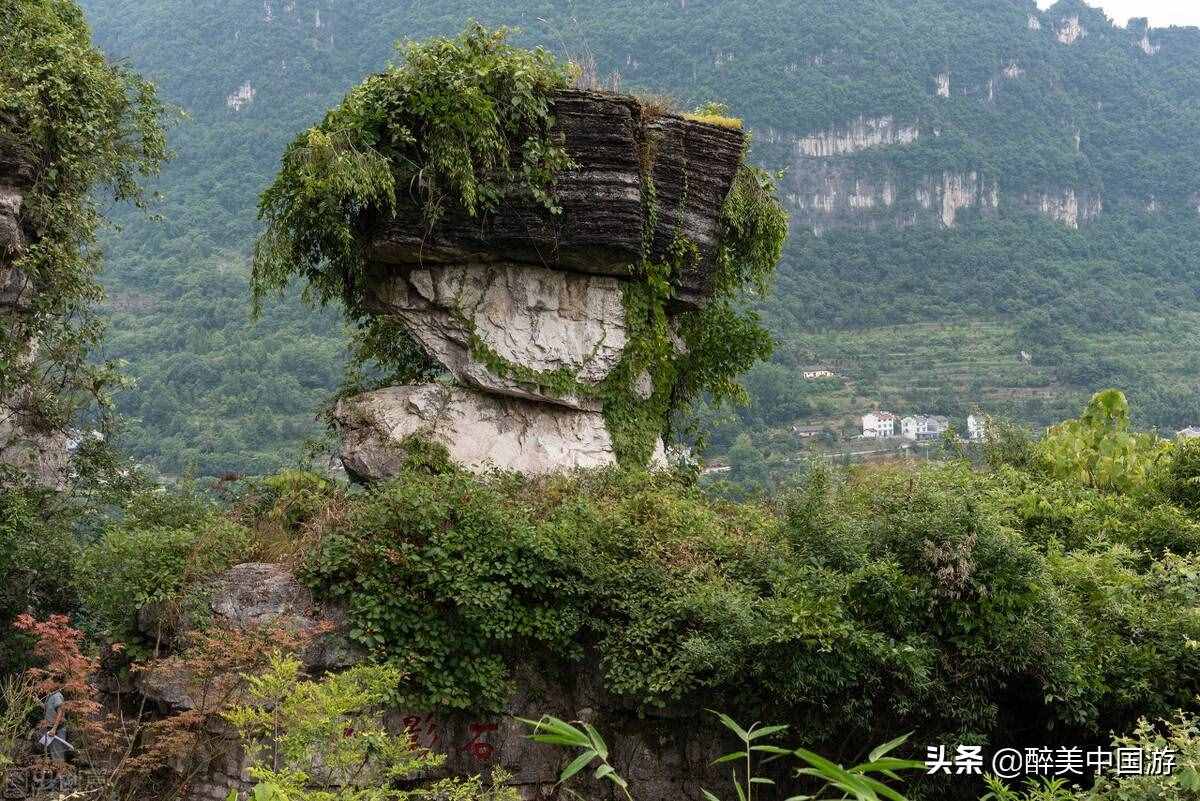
248,596
480,431
605,201
543,320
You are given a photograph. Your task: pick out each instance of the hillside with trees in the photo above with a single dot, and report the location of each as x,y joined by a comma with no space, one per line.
923,317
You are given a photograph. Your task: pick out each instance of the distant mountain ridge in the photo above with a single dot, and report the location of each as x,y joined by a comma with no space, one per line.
1026,176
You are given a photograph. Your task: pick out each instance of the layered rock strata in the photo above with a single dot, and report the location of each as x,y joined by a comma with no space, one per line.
526,310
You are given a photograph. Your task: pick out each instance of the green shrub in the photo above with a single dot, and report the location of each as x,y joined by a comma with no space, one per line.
893,599
446,124
1182,481
166,545
37,559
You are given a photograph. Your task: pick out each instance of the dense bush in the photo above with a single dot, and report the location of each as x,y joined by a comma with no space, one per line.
163,548
77,125
37,557
966,604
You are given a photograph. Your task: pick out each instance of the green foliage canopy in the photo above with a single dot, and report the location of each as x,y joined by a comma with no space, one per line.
442,127
76,123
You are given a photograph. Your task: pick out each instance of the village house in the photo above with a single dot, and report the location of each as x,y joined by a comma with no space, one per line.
976,424
924,426
877,425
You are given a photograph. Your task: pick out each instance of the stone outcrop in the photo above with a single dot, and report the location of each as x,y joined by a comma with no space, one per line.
525,309
249,596
605,201
37,453
861,134
1066,206
1070,31
664,754
543,319
480,431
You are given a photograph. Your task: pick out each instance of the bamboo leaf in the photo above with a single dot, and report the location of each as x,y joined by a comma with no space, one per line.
597,741
883,789
887,747
887,764
836,774
729,723
580,762
766,730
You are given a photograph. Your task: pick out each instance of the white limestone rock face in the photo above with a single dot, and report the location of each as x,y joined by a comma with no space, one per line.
42,457
544,320
942,84
481,431
1070,31
1067,206
861,134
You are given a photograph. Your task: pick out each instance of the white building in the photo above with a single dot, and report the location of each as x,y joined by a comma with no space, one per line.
923,426
877,425
976,424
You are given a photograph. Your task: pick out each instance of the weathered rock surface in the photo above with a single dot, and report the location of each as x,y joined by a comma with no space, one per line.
480,431
250,596
544,320
604,203
37,453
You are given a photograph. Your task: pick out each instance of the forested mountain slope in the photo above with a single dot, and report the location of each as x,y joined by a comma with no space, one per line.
968,179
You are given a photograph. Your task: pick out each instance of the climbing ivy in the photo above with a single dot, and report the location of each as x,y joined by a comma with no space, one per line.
465,123
442,127
70,123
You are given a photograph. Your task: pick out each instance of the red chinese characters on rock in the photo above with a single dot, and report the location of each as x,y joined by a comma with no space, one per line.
482,751
425,732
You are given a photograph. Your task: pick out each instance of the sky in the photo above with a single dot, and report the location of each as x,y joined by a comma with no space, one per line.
1162,13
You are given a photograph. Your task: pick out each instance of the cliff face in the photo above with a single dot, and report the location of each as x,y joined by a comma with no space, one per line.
26,444
829,188
928,161
526,310
664,754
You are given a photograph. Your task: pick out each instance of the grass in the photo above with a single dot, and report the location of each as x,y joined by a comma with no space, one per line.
733,123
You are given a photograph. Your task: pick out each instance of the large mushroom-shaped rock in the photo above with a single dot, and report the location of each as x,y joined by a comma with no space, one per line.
526,308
